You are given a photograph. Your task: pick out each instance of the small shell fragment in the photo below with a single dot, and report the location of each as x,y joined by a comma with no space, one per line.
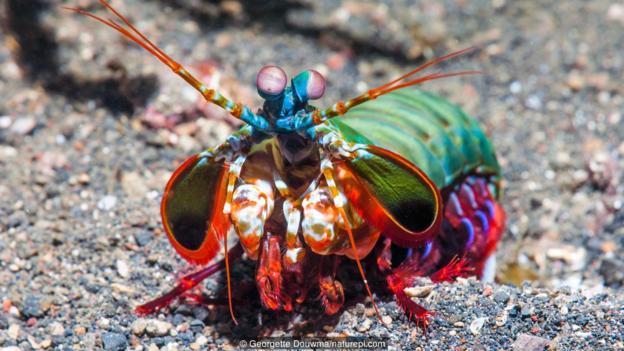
419,291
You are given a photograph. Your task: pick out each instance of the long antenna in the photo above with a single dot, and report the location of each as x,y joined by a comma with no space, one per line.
341,107
212,96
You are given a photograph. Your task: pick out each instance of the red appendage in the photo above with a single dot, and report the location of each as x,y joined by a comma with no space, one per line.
186,283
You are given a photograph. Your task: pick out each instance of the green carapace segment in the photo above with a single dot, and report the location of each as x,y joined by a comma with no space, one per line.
433,134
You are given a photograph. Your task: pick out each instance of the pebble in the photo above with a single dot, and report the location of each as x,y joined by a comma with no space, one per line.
201,314
387,320
157,327
369,312
526,311
477,325
364,326
575,256
31,307
419,291
114,341
5,122
122,269
45,343
612,270
170,347
7,152
501,296
133,185
196,325
107,203
56,329
143,238
526,342
201,340
33,342
23,125
138,326
103,323
564,310
542,297
534,102
14,331
615,13
10,348
120,288
84,179
17,219
501,319
575,81
80,330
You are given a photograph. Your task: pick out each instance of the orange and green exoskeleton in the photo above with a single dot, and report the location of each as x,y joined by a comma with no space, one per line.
302,188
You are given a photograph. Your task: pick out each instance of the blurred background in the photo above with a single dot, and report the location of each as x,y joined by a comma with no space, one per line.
91,127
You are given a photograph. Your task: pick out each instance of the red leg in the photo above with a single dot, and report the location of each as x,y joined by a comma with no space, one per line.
456,268
269,274
332,293
402,277
186,283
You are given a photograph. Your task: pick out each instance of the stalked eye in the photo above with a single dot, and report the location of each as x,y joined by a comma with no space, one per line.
309,85
271,81
316,85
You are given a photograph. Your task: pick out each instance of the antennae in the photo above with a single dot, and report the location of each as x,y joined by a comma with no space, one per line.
132,33
341,107
416,81
427,65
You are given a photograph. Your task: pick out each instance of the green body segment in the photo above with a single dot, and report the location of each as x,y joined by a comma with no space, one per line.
433,134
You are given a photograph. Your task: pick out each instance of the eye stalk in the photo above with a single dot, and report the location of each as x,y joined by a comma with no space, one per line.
271,82
308,85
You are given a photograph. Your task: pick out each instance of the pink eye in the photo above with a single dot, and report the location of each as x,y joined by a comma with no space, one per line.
271,80
316,85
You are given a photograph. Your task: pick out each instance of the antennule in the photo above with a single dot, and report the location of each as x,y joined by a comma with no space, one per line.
319,116
132,33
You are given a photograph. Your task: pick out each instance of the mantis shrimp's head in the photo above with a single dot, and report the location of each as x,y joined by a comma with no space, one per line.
283,101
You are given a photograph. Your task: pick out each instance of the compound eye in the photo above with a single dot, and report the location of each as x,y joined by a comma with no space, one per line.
271,81
316,85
